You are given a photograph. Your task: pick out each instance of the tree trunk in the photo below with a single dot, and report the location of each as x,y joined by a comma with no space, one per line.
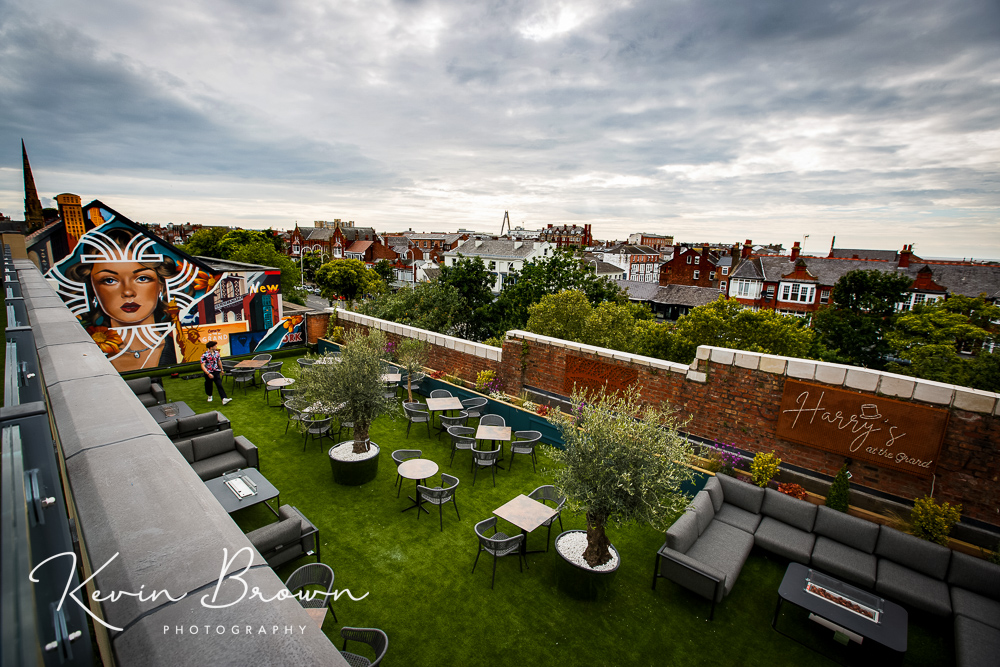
360,437
597,552
409,389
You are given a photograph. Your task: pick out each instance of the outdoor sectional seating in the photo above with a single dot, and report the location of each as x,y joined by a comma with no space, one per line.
213,454
291,537
706,547
149,392
185,428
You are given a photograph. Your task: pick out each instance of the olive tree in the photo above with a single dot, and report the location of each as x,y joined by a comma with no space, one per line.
622,463
352,389
412,356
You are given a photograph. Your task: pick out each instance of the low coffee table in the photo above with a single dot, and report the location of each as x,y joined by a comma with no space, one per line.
889,630
229,500
167,411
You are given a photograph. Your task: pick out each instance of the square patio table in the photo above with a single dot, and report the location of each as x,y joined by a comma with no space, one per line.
527,514
265,491
501,433
179,408
252,363
890,630
443,405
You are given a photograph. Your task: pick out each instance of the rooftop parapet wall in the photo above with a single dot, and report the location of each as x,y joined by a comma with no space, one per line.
142,510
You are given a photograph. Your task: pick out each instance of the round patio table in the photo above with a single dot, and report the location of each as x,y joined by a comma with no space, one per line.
417,470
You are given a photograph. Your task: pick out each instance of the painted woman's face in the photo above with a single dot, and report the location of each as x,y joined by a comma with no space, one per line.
127,291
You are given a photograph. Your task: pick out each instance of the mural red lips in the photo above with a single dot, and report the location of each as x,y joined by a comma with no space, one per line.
130,307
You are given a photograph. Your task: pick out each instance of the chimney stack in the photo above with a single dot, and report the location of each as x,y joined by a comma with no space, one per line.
904,256
795,251
747,249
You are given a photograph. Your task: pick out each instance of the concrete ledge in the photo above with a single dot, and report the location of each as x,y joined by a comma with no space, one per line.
899,386
862,378
770,363
800,369
974,400
830,373
704,352
58,331
747,360
934,392
722,356
696,376
74,361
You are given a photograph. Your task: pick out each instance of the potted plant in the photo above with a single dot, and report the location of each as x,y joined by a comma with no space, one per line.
622,462
353,391
412,356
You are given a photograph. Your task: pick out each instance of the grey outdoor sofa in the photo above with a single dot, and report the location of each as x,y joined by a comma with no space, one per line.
706,547
149,392
185,428
291,537
213,454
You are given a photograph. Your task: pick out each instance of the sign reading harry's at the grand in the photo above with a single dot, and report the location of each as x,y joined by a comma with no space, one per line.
887,433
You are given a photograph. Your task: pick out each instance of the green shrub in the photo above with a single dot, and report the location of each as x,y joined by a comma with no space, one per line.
933,522
764,468
839,496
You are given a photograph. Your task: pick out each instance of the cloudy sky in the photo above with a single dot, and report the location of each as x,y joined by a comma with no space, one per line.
712,120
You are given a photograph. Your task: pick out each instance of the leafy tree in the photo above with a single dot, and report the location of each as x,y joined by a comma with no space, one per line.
384,269
622,463
725,323
984,372
433,306
475,283
205,242
310,262
563,315
613,325
661,340
348,278
239,238
275,236
261,251
853,329
412,355
549,275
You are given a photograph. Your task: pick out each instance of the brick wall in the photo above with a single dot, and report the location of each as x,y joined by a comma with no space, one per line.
316,324
735,397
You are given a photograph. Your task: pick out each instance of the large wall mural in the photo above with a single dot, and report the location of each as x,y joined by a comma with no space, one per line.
147,304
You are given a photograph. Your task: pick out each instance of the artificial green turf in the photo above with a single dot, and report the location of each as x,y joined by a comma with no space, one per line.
423,594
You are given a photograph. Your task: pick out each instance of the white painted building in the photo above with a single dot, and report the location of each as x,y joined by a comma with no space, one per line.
501,256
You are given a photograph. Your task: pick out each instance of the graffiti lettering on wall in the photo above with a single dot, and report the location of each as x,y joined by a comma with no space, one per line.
145,303
880,431
594,375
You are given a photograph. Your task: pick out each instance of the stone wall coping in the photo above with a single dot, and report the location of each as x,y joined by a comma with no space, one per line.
627,357
449,342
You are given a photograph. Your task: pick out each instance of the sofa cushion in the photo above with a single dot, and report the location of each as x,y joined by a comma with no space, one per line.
900,583
715,491
287,554
683,533
788,541
282,533
147,400
703,510
974,574
975,606
844,562
850,530
186,449
917,554
140,385
976,644
739,518
742,494
200,422
215,466
725,548
796,513
212,444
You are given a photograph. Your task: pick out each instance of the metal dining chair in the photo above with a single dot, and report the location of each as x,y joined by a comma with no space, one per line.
398,457
262,357
474,406
441,393
414,415
548,494
267,377
243,377
492,420
441,495
373,637
317,426
295,414
498,544
304,582
462,437
485,458
526,445
457,420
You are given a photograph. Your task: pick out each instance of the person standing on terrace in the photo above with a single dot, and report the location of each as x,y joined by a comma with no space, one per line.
211,366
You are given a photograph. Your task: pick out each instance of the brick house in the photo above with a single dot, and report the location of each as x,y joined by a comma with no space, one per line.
697,267
564,236
641,263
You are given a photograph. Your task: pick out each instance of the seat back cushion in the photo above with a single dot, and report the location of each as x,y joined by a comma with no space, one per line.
281,533
849,530
197,422
212,444
140,385
683,533
912,552
715,491
186,450
742,494
975,574
796,513
703,510
170,428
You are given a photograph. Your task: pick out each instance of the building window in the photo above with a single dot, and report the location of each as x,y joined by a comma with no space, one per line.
798,293
697,260
295,248
824,296
725,270
696,275
711,275
769,293
722,286
493,266
747,289
919,299
689,259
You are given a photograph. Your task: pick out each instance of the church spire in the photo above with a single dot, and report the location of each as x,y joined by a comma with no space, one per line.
33,217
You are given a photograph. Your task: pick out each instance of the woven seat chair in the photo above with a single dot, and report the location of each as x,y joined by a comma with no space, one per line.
317,427
440,393
525,445
474,406
262,357
416,381
306,579
267,377
499,545
441,495
398,457
375,638
288,392
243,377
548,495
228,365
305,363
492,420
461,438
457,420
485,458
295,415
341,425
414,415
